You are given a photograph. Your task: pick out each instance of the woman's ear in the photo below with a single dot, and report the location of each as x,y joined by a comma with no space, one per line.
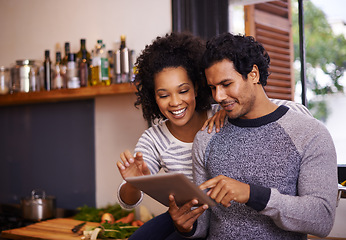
254,75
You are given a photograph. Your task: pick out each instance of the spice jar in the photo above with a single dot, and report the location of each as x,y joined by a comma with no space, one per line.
4,80
23,79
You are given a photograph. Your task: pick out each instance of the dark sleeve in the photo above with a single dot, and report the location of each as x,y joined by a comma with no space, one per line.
259,197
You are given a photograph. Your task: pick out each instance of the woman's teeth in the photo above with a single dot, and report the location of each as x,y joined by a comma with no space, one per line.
178,112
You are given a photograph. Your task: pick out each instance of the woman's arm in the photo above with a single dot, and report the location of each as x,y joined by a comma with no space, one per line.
131,166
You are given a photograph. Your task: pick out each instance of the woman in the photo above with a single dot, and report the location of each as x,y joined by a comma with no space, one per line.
173,94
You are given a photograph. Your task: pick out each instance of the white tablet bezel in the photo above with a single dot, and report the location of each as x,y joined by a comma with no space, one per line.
160,186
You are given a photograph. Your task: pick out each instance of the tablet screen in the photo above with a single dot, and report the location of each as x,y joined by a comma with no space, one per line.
160,186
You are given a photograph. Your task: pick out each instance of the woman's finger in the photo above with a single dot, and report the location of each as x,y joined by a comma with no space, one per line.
206,123
120,166
124,158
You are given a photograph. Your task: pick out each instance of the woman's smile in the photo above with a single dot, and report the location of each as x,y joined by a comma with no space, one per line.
179,113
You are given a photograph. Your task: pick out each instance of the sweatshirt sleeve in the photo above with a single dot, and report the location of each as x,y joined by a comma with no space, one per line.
313,209
123,204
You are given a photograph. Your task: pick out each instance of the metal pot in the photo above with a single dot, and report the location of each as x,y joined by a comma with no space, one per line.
38,206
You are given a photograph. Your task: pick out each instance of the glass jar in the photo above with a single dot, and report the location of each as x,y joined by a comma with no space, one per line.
24,76
5,78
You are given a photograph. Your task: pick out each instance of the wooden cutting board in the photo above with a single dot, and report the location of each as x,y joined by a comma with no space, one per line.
59,228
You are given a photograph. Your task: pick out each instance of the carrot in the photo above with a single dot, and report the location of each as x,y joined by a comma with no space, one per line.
128,219
140,223
137,223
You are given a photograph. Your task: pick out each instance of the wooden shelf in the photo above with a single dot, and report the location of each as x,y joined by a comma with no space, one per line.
65,94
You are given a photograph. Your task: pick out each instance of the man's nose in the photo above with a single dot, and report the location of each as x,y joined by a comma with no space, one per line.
219,94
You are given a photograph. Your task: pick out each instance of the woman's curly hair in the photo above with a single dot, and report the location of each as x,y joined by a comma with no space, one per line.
243,51
172,50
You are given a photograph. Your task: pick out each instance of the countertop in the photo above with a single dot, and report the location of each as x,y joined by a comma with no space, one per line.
58,229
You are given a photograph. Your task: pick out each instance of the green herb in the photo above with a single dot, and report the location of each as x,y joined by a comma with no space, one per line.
117,230
92,214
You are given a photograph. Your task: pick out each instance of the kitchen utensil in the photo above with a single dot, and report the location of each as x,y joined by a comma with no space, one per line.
38,206
76,228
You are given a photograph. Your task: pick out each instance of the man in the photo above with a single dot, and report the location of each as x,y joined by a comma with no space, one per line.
272,170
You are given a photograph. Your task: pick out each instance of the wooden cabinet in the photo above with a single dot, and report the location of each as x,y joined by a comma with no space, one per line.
65,94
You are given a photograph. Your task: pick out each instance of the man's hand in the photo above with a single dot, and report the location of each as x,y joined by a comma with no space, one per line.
131,166
184,217
223,190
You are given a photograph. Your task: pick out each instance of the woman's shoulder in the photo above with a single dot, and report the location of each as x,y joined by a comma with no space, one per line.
158,128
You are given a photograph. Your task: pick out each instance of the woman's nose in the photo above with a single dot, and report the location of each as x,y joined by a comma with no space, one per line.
175,100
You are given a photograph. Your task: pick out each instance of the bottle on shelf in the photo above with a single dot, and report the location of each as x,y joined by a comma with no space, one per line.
80,52
83,69
111,66
95,64
64,61
90,68
47,71
104,67
72,72
124,60
58,78
132,67
117,67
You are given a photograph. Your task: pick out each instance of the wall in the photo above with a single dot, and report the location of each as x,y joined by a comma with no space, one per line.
48,146
30,27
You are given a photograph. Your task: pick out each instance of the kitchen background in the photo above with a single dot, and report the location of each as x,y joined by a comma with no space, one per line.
70,149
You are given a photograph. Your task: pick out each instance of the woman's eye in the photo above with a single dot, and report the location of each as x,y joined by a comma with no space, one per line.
184,91
163,96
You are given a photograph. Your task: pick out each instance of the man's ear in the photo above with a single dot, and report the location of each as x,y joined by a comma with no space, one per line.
254,75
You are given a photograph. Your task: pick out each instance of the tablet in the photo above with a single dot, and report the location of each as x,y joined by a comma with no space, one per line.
160,186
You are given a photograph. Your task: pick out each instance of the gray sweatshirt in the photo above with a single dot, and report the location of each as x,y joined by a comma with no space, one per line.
288,159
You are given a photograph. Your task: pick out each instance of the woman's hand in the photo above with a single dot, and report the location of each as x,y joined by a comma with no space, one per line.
184,217
224,190
131,166
218,120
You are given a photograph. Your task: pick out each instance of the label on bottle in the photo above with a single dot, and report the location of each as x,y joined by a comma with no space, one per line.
104,69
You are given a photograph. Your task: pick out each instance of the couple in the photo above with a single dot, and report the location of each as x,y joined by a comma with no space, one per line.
271,168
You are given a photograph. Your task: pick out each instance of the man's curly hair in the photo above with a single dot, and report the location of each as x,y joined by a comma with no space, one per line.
172,50
243,51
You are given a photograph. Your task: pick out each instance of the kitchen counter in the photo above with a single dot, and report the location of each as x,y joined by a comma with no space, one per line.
55,229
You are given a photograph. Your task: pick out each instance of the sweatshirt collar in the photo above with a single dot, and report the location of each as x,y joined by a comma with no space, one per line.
257,122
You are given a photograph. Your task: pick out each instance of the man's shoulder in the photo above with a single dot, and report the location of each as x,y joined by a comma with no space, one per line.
303,124
297,107
202,138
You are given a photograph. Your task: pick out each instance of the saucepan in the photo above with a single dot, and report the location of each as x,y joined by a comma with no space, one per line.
38,206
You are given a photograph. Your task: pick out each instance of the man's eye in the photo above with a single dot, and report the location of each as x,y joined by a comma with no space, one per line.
226,84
